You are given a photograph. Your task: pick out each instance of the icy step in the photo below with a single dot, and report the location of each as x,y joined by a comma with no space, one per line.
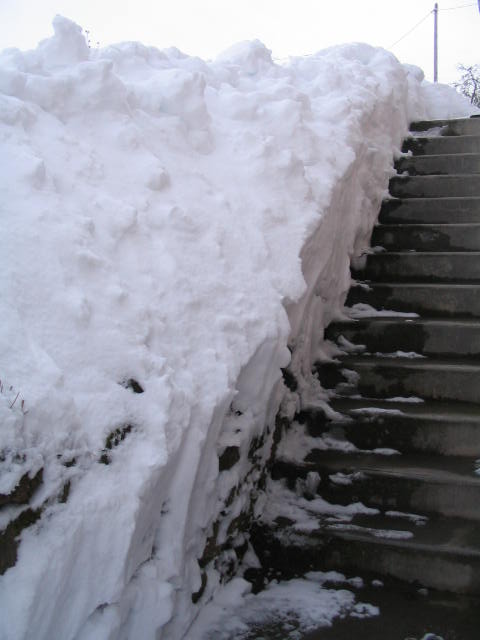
415,483
442,145
455,127
465,163
457,380
416,266
427,237
430,210
424,336
421,298
435,427
434,186
442,554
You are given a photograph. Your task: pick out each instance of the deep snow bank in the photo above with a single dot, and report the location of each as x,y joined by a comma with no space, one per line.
160,216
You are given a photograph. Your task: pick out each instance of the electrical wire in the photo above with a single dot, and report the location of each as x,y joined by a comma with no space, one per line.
412,29
462,6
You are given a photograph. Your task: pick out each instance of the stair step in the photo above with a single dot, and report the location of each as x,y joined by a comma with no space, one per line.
430,210
433,427
385,480
456,164
444,557
428,486
434,186
421,298
383,377
427,237
455,127
442,144
426,336
419,266
443,553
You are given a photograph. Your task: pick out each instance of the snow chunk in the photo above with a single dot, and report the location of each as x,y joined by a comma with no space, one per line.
68,46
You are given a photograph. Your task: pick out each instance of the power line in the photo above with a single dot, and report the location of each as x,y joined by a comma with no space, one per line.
412,29
462,6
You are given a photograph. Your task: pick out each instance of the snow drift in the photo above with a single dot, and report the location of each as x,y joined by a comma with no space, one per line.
173,231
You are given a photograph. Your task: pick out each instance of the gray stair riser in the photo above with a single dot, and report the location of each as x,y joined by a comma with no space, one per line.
368,429
433,338
436,571
442,144
447,237
435,186
439,164
409,435
433,300
458,127
421,267
449,382
430,211
406,495
389,491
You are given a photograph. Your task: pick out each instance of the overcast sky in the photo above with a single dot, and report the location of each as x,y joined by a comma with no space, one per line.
288,27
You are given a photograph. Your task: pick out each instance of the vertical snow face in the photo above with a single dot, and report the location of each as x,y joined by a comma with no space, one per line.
169,228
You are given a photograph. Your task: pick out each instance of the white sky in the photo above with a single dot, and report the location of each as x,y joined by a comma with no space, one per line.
288,27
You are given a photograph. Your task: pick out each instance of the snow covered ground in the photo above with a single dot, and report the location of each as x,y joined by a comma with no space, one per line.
286,610
174,232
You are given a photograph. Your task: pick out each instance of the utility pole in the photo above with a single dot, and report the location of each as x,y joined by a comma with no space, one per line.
435,42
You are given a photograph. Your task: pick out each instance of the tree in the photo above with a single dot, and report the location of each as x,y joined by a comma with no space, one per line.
469,83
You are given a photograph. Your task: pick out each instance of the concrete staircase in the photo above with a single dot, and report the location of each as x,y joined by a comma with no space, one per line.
405,383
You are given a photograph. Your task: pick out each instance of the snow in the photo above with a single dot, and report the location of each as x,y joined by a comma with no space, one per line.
175,232
374,411
400,354
346,479
413,517
363,310
307,514
386,534
288,609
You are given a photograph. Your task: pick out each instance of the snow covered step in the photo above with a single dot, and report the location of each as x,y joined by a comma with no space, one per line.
442,144
378,377
410,427
430,210
422,298
423,484
434,186
426,336
428,237
422,266
465,163
443,554
456,127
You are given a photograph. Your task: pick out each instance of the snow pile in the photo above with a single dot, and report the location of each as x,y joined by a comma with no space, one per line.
169,226
286,610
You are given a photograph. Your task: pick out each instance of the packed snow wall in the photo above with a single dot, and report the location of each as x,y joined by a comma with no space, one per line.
175,233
